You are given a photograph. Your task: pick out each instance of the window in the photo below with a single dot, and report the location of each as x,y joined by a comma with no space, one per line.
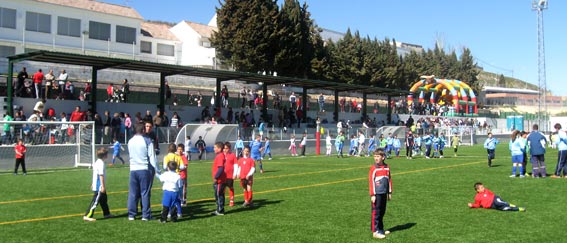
125,34
146,47
68,26
7,18
99,31
6,51
165,50
206,44
38,22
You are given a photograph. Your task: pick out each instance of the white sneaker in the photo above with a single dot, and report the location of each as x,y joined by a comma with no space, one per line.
387,232
131,218
377,235
512,176
85,218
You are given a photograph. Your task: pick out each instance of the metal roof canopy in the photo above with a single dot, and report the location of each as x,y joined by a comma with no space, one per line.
100,62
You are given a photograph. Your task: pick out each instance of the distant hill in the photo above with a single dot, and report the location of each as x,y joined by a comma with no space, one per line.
491,79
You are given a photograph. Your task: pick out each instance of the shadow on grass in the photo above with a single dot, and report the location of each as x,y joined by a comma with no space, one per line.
269,171
402,227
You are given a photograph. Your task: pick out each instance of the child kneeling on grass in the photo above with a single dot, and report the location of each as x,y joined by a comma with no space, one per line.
171,186
99,187
486,199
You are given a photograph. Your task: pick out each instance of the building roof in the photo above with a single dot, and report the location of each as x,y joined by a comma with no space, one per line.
102,7
158,30
202,29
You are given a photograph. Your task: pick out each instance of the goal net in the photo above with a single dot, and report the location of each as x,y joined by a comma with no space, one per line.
209,133
49,143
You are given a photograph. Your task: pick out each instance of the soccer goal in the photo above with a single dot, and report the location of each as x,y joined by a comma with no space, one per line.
50,143
209,133
465,134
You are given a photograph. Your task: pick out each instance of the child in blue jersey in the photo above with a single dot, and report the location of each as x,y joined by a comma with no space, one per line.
389,145
442,142
396,145
116,147
517,148
427,139
417,146
339,143
353,145
490,146
435,146
239,145
256,151
267,149
371,146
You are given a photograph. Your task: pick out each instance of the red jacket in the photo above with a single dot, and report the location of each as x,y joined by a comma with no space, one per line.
38,78
379,179
483,199
77,116
217,164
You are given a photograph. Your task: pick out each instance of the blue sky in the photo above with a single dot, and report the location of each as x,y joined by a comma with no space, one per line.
501,34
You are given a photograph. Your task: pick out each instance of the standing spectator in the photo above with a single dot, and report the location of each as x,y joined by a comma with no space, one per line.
219,178
188,146
292,100
37,80
125,90
98,126
321,101
342,102
167,91
49,80
87,91
224,96
22,75
303,144
490,146
409,145
201,145
142,165
536,143
107,127
127,125
243,95
380,185
110,93
61,80
148,117
8,134
561,143
69,90
20,150
98,187
116,123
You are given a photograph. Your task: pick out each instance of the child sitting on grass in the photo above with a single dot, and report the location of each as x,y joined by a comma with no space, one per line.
486,199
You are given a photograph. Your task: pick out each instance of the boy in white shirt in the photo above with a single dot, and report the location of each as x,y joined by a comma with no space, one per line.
99,187
171,185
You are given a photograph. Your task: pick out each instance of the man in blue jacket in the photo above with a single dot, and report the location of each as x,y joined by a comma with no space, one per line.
536,143
490,146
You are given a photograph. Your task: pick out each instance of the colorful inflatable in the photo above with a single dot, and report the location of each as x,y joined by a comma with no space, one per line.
448,91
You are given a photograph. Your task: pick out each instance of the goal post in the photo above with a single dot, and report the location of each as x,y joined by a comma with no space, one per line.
50,143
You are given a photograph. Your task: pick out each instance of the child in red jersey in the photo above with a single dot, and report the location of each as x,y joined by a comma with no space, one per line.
219,178
486,199
20,150
183,172
229,170
380,185
245,171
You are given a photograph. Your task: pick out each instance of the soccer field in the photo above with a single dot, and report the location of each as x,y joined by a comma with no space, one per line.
311,199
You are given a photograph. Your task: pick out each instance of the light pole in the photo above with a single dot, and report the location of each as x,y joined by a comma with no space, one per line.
539,6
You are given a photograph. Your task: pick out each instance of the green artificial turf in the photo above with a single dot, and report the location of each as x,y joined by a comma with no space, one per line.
298,199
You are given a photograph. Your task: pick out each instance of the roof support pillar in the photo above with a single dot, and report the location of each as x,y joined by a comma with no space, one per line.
94,84
389,111
265,103
161,104
364,104
10,86
336,107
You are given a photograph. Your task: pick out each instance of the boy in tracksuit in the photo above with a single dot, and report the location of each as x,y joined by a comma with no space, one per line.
536,144
380,185
490,146
219,178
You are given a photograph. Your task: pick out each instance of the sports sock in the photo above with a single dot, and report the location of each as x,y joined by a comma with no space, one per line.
249,196
514,170
231,194
261,165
